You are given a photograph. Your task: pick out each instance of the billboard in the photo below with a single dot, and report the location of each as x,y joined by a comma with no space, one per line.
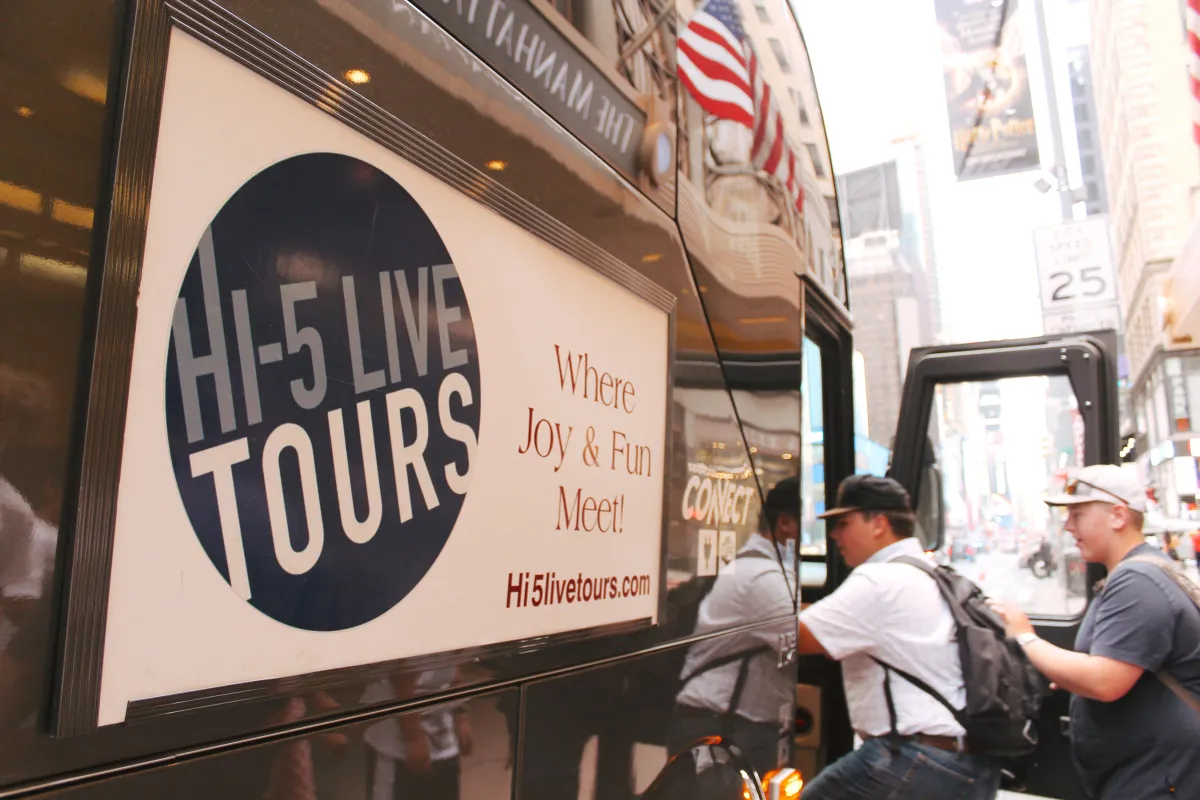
987,88
374,419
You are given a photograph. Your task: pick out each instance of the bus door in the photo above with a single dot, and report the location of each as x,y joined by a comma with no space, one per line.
985,432
827,455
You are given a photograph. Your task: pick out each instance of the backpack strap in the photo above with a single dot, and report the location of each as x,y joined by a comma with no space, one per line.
928,569
915,681
887,695
1192,592
739,684
724,661
1179,689
744,656
913,561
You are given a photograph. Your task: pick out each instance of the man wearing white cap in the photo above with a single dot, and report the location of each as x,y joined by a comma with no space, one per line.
1135,670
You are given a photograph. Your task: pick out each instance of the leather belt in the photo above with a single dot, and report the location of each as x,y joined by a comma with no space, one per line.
951,744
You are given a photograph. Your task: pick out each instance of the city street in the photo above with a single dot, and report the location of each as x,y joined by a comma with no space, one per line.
1000,575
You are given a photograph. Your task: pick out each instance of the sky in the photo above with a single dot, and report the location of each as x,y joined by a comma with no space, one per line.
882,80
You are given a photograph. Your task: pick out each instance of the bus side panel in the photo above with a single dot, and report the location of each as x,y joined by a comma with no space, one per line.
424,78
58,63
602,733
447,751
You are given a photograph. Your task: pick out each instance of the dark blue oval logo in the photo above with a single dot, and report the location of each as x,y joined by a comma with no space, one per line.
322,392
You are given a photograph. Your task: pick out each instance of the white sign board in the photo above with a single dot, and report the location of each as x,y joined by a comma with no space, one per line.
1075,267
368,418
1075,320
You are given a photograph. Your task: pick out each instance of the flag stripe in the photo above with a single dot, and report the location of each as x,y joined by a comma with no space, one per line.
1193,40
717,53
776,147
713,69
722,109
704,32
709,26
702,87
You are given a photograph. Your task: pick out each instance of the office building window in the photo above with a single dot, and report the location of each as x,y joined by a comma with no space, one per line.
815,155
780,55
760,8
802,110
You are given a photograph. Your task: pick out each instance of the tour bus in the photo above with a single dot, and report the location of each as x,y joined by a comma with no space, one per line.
384,383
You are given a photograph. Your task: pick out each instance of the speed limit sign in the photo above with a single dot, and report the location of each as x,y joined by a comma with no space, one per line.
1075,267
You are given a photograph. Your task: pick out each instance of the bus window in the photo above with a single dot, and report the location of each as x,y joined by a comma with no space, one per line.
812,468
1000,446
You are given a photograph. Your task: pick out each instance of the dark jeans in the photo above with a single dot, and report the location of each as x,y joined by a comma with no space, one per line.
758,740
912,772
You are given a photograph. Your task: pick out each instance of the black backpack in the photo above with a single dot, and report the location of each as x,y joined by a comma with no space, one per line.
1004,690
655,682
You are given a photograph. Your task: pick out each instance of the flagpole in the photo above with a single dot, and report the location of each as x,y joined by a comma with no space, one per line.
1059,170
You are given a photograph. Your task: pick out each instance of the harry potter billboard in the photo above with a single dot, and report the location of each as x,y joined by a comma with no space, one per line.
987,88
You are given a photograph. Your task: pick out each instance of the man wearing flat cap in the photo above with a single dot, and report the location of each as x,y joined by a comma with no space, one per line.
912,747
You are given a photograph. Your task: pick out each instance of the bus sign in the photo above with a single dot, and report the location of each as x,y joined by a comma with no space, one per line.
374,419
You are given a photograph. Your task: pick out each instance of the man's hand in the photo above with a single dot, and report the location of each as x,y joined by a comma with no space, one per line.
1016,622
418,757
1093,677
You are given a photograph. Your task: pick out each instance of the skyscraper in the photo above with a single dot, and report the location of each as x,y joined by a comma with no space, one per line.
892,274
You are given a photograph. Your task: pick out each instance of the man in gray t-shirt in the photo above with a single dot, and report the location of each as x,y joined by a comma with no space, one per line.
1146,743
1132,738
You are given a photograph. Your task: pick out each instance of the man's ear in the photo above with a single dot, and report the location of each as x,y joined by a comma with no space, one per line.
1124,516
879,525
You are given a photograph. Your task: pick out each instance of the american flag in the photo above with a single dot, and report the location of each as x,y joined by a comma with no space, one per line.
1193,38
719,68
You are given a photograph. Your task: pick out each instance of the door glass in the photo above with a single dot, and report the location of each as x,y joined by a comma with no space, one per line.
1001,447
812,467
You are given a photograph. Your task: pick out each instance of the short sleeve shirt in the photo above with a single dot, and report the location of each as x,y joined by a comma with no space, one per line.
1147,743
757,589
893,612
26,547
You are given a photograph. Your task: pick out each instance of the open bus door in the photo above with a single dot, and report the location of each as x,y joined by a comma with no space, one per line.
985,431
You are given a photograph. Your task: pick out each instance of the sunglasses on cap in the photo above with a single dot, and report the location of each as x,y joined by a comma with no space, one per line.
1072,489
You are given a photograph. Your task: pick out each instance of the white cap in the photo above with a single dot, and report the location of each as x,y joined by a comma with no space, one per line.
1103,483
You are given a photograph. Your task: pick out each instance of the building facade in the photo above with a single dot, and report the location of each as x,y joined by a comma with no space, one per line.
1144,104
1087,134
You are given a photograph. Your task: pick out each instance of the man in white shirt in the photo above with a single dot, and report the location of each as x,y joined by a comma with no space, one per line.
890,612
734,685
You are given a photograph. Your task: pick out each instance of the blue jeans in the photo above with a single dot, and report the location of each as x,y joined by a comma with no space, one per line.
913,772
